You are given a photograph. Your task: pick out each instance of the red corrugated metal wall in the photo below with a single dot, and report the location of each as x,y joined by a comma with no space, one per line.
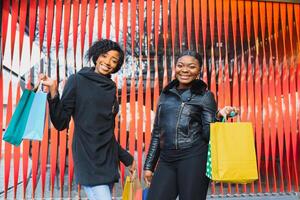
251,55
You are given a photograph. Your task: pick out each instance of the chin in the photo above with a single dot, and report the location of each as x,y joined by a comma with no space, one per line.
104,73
185,81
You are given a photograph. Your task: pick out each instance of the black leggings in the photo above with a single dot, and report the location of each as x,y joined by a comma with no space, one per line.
185,178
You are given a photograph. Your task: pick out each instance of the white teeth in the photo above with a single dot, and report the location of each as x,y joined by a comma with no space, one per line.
105,67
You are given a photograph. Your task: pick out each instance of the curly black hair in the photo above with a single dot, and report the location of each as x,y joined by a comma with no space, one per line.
102,46
193,54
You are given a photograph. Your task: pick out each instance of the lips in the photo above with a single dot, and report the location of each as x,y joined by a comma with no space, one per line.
105,68
185,77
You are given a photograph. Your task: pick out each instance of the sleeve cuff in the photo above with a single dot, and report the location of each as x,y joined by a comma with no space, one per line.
54,99
148,168
216,116
128,161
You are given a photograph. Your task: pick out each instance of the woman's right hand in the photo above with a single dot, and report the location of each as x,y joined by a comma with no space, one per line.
50,83
148,174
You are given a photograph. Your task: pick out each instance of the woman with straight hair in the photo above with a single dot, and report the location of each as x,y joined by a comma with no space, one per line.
180,135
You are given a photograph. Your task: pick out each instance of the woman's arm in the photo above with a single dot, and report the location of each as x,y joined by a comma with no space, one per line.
154,149
208,113
153,152
125,157
61,109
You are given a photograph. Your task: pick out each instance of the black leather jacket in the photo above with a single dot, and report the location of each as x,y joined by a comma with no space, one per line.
181,120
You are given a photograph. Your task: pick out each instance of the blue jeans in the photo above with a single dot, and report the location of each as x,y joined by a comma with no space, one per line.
98,192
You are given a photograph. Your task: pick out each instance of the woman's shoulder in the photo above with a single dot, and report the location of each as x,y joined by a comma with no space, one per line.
205,98
208,93
209,98
72,77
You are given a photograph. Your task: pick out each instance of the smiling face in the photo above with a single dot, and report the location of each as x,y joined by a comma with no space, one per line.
187,69
107,62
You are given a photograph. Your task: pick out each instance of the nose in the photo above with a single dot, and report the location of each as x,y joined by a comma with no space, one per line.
184,69
107,61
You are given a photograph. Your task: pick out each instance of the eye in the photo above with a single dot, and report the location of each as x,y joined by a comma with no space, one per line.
179,65
192,66
115,61
103,55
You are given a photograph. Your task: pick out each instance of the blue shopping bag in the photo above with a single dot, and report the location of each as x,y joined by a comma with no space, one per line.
15,130
36,120
145,193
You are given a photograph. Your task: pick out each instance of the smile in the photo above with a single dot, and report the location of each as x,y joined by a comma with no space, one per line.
105,67
184,77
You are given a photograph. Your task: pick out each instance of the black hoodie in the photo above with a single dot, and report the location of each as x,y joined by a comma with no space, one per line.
90,99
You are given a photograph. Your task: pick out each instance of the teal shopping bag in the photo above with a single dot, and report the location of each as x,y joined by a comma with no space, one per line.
36,120
17,124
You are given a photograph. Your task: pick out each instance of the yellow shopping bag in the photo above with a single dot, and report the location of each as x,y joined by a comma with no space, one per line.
233,157
127,190
132,189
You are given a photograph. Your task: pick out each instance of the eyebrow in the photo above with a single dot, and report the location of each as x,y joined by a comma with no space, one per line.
113,56
188,63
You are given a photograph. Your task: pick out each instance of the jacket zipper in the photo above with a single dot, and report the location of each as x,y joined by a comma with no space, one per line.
176,136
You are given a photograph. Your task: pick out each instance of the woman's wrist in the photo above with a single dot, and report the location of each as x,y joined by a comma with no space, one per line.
53,92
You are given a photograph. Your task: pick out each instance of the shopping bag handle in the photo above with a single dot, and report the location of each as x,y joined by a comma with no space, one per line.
134,176
38,87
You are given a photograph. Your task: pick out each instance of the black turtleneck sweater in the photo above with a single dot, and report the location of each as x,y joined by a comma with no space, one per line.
90,99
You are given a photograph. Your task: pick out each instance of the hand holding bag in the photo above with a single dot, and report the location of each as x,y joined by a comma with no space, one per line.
232,157
36,120
28,118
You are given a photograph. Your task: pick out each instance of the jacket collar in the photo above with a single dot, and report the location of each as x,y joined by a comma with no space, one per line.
198,86
97,79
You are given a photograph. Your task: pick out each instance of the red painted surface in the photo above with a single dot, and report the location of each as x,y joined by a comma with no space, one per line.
262,78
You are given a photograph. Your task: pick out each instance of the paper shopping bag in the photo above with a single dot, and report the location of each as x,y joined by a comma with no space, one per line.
208,162
128,189
132,189
17,124
233,157
145,193
138,194
36,120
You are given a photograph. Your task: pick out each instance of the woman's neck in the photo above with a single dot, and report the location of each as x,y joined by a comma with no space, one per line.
184,86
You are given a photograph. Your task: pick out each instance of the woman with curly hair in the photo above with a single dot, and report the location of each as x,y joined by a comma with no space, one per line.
90,98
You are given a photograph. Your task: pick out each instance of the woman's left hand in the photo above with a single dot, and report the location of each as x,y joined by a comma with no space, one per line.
224,112
132,169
